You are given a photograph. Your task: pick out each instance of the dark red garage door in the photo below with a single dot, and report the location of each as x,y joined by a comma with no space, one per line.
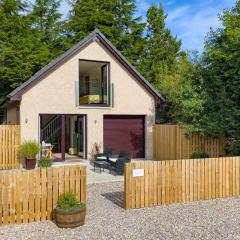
125,133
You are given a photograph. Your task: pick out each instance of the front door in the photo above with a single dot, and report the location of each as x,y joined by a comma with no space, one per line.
81,136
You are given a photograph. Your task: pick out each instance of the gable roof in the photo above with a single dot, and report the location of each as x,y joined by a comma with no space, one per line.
96,35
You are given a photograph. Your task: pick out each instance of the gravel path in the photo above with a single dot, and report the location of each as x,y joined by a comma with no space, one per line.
217,219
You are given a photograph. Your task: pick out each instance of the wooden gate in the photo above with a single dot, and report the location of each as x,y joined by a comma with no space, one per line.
9,146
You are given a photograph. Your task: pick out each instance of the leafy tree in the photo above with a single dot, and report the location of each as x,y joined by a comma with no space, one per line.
222,78
185,94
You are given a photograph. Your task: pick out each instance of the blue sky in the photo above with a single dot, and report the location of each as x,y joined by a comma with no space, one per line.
190,20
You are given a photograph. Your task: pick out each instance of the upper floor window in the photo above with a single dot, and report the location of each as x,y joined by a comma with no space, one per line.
94,83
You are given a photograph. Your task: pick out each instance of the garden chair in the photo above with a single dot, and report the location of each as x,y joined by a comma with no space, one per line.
118,162
105,155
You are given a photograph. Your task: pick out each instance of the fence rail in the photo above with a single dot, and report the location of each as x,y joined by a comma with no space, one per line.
9,146
171,142
27,196
172,181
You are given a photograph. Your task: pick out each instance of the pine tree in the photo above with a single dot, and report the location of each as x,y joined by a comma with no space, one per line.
46,21
161,49
87,15
22,52
129,31
114,18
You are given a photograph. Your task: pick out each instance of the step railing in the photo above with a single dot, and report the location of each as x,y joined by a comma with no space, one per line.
51,128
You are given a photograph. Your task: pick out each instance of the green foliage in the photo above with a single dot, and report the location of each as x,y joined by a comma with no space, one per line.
232,146
30,149
222,79
161,48
185,94
68,201
196,155
24,50
114,18
173,73
44,162
47,24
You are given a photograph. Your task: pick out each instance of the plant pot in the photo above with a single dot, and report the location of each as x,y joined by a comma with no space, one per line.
30,163
70,219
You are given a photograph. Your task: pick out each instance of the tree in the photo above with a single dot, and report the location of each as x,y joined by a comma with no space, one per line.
22,53
129,31
161,49
222,78
87,15
46,21
114,18
172,73
185,94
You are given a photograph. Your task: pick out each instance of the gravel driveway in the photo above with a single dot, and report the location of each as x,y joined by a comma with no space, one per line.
217,219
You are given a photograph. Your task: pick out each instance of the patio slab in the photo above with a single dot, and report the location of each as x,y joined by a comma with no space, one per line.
92,176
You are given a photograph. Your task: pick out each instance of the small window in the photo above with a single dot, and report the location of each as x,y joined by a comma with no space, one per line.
94,83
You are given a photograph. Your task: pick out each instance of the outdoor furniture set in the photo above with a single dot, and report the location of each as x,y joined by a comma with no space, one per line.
112,162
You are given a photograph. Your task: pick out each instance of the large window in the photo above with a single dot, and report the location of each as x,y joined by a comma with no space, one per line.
94,83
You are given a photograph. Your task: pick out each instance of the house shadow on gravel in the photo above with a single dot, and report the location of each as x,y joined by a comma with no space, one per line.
115,197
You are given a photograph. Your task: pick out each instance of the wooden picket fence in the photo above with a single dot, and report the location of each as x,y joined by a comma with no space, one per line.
171,142
9,146
173,181
27,196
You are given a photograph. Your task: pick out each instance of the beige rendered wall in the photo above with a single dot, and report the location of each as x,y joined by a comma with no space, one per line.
13,115
56,94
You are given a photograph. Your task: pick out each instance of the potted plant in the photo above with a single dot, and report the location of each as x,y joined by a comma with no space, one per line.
69,213
29,150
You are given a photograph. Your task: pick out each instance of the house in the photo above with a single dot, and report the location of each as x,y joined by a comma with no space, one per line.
90,95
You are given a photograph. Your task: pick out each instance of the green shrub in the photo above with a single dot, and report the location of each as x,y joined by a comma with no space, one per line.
44,162
30,149
68,201
199,155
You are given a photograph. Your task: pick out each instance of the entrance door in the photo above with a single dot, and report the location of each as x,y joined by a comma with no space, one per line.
81,136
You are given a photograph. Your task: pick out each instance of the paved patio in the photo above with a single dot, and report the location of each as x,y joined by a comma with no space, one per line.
93,176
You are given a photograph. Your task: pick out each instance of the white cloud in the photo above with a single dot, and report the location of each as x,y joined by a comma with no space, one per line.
193,27
177,13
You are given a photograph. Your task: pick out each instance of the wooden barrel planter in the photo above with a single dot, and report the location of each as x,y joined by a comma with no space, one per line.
70,218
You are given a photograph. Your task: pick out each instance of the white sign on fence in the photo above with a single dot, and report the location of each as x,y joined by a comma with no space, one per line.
138,172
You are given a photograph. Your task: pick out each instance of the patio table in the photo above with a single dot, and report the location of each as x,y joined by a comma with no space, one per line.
101,165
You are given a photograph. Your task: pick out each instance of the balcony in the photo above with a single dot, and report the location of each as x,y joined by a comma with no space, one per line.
94,83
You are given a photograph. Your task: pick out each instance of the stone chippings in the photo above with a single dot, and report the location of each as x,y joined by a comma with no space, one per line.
106,219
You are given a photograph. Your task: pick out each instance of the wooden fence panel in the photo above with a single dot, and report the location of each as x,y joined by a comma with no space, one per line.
27,196
9,146
171,142
165,182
